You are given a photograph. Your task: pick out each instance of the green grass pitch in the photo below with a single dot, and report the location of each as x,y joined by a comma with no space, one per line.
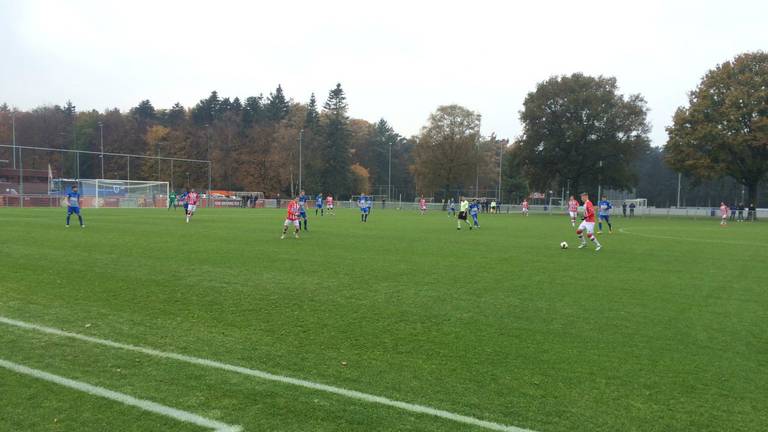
665,329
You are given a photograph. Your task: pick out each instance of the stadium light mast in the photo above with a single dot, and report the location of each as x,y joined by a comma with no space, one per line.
600,181
679,178
477,166
101,138
301,138
501,158
389,174
13,134
74,141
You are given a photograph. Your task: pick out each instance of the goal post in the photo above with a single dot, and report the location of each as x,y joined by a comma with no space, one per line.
106,193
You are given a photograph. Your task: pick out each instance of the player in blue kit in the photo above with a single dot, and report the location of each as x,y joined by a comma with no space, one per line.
604,213
183,200
474,209
319,204
362,203
73,206
303,198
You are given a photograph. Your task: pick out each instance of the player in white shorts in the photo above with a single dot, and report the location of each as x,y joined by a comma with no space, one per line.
573,210
588,224
723,214
192,199
292,218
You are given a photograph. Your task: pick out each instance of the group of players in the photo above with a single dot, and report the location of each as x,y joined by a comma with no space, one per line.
297,212
587,225
188,199
586,229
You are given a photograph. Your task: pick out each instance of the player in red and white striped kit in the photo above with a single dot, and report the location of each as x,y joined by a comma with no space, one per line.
588,224
292,218
329,204
422,205
192,199
723,214
525,207
573,210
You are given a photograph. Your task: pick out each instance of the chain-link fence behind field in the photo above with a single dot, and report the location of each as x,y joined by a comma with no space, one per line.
27,175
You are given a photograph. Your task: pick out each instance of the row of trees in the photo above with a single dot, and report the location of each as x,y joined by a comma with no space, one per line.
580,130
252,145
577,131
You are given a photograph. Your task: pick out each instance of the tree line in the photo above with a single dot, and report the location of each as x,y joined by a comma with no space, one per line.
579,133
253,144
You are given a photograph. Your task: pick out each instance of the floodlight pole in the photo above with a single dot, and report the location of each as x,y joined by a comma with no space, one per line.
21,181
501,158
101,138
301,138
600,181
679,178
13,128
389,175
477,167
208,140
208,195
74,142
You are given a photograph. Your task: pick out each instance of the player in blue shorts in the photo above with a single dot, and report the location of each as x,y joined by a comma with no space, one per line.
474,209
319,204
73,206
303,198
183,200
604,213
363,205
451,208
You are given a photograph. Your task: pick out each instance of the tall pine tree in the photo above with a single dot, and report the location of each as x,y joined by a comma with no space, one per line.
335,175
277,105
312,120
253,110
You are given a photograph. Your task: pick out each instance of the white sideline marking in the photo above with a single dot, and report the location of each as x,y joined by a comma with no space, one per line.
666,237
184,416
353,394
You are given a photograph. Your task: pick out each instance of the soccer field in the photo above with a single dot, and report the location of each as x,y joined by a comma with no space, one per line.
220,324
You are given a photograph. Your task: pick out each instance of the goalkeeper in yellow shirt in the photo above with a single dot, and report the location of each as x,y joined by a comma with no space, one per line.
463,212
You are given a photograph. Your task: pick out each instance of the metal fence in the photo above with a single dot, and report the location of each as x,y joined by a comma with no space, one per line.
28,171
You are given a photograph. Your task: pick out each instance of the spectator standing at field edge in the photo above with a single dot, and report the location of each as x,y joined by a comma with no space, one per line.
752,213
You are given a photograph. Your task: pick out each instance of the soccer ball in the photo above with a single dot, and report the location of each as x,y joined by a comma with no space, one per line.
563,245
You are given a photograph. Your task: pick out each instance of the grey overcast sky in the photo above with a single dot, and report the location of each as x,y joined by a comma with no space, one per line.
396,59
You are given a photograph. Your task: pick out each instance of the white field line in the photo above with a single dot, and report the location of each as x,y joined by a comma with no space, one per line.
353,394
184,416
665,237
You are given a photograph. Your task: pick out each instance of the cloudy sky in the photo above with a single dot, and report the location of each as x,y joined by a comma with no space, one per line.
396,59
